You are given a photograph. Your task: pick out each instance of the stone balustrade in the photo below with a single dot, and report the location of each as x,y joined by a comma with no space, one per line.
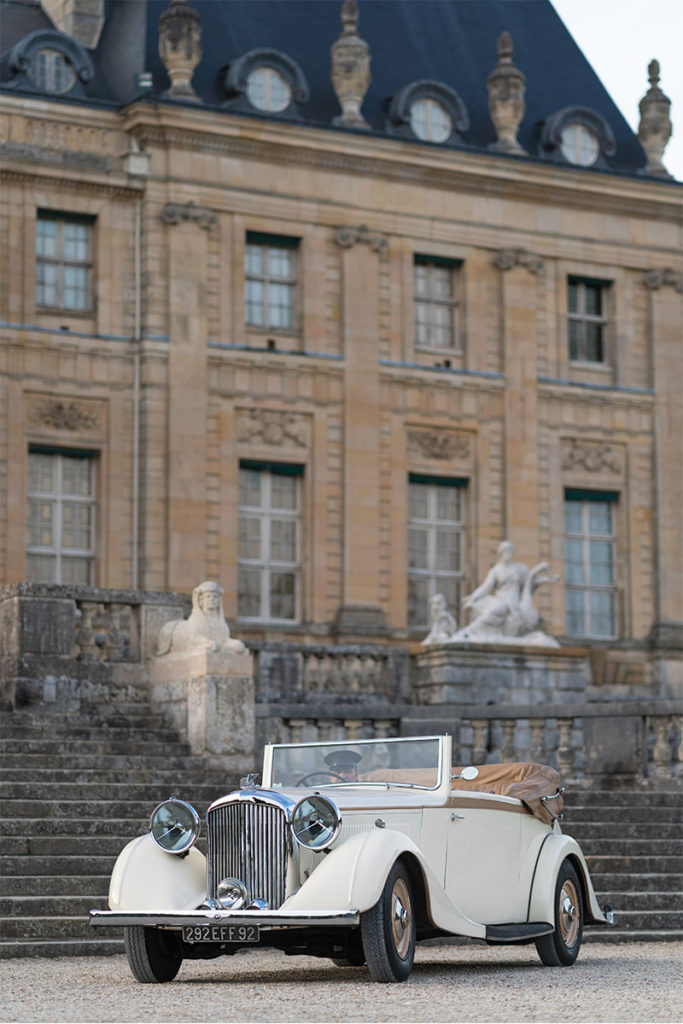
356,673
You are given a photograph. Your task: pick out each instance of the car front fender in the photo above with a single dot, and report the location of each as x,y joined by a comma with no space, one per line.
554,850
352,876
146,878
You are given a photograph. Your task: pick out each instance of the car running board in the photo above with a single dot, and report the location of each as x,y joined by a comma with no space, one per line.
517,932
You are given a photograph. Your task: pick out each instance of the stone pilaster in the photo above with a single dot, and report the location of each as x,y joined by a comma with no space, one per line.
187,389
360,611
519,302
666,316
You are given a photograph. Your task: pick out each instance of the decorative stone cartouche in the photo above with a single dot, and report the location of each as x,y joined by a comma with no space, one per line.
507,86
180,47
654,130
350,68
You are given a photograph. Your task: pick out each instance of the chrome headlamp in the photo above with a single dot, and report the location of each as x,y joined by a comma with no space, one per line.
316,822
174,825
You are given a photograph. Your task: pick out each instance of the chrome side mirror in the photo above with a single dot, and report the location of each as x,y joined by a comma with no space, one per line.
469,774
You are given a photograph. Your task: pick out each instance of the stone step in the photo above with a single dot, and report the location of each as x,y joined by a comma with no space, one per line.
634,900
639,865
105,791
66,846
58,885
45,928
618,815
617,935
51,906
616,881
29,827
149,775
588,832
124,730
45,865
625,846
37,762
73,947
622,797
109,809
648,920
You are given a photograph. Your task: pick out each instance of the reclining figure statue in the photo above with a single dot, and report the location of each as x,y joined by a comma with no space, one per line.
205,629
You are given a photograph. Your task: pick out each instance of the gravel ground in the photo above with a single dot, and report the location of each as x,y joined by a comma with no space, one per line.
634,982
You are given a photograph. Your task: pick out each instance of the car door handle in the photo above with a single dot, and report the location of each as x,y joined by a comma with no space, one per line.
459,817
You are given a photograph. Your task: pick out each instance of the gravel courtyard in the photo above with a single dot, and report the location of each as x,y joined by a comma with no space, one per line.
634,982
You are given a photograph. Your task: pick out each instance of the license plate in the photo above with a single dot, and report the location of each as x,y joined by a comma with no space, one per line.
221,933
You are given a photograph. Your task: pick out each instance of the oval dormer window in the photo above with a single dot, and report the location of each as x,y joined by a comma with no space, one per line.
579,145
50,71
268,90
430,120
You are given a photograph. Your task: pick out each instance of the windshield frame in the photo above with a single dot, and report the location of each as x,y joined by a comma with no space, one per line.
442,765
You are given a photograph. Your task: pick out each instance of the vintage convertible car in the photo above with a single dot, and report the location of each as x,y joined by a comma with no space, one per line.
355,851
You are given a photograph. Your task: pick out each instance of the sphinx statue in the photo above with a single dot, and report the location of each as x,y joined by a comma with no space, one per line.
503,608
205,629
444,626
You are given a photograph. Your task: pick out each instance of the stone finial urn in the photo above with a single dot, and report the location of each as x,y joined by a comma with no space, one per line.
180,47
506,85
350,68
654,130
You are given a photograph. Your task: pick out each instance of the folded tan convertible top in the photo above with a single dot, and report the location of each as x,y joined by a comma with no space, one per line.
525,780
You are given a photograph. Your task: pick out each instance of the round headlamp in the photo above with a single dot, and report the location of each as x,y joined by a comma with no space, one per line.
316,822
232,894
174,826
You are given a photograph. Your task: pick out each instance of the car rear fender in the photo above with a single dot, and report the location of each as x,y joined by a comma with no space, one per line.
146,878
352,877
554,850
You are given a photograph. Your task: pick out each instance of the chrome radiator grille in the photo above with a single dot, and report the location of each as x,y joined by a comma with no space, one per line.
249,841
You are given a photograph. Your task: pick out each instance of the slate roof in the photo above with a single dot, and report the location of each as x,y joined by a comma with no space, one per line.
452,41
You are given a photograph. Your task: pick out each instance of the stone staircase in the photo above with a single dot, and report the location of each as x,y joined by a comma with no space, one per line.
74,789
633,842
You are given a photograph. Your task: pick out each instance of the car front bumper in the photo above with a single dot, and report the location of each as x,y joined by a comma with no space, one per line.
266,920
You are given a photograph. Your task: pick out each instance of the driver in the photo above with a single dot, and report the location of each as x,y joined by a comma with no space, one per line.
344,763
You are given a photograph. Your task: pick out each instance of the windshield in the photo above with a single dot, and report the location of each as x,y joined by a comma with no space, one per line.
402,762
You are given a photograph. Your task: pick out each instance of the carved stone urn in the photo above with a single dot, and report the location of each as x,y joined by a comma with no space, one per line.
350,68
507,86
654,130
180,47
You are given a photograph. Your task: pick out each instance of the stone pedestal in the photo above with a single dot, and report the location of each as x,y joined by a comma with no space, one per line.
208,697
500,674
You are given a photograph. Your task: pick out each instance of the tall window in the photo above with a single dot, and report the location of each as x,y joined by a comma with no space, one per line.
587,320
589,547
64,263
436,304
61,518
435,545
269,529
270,282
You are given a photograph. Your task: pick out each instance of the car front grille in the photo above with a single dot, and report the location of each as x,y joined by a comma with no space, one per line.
249,841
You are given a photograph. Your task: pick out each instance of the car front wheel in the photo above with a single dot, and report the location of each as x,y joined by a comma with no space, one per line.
153,955
388,929
561,948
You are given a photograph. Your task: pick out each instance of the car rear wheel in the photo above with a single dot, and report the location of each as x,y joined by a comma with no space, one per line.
388,929
153,955
561,948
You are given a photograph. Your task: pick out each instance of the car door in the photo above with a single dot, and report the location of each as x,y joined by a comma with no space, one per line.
483,857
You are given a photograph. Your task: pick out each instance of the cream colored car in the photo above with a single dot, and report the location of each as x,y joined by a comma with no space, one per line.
355,851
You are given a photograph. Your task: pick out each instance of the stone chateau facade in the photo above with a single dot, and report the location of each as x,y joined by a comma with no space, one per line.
331,350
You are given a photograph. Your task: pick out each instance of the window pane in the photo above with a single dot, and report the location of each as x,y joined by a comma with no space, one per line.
250,487
76,476
575,613
421,323
249,593
447,553
573,560
41,472
600,517
421,282
417,548
418,495
593,334
254,302
283,540
574,329
283,491
448,503
46,284
282,595
280,305
573,296
76,288
280,263
249,538
418,600
256,88
450,588
76,241
76,570
40,523
46,237
572,517
602,614
593,299
253,259
601,562
76,526
41,568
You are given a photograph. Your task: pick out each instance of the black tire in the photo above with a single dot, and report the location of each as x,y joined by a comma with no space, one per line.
561,948
153,955
388,929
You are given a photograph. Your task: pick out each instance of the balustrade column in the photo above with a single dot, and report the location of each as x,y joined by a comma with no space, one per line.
507,749
480,728
662,755
537,727
565,751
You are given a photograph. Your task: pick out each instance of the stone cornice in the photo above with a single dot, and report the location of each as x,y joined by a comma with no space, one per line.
56,178
403,161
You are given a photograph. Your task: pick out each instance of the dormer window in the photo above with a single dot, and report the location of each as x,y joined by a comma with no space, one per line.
579,145
430,120
429,111
268,90
50,71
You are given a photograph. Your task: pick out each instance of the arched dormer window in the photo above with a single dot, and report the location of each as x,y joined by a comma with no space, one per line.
267,81
578,136
430,111
48,62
